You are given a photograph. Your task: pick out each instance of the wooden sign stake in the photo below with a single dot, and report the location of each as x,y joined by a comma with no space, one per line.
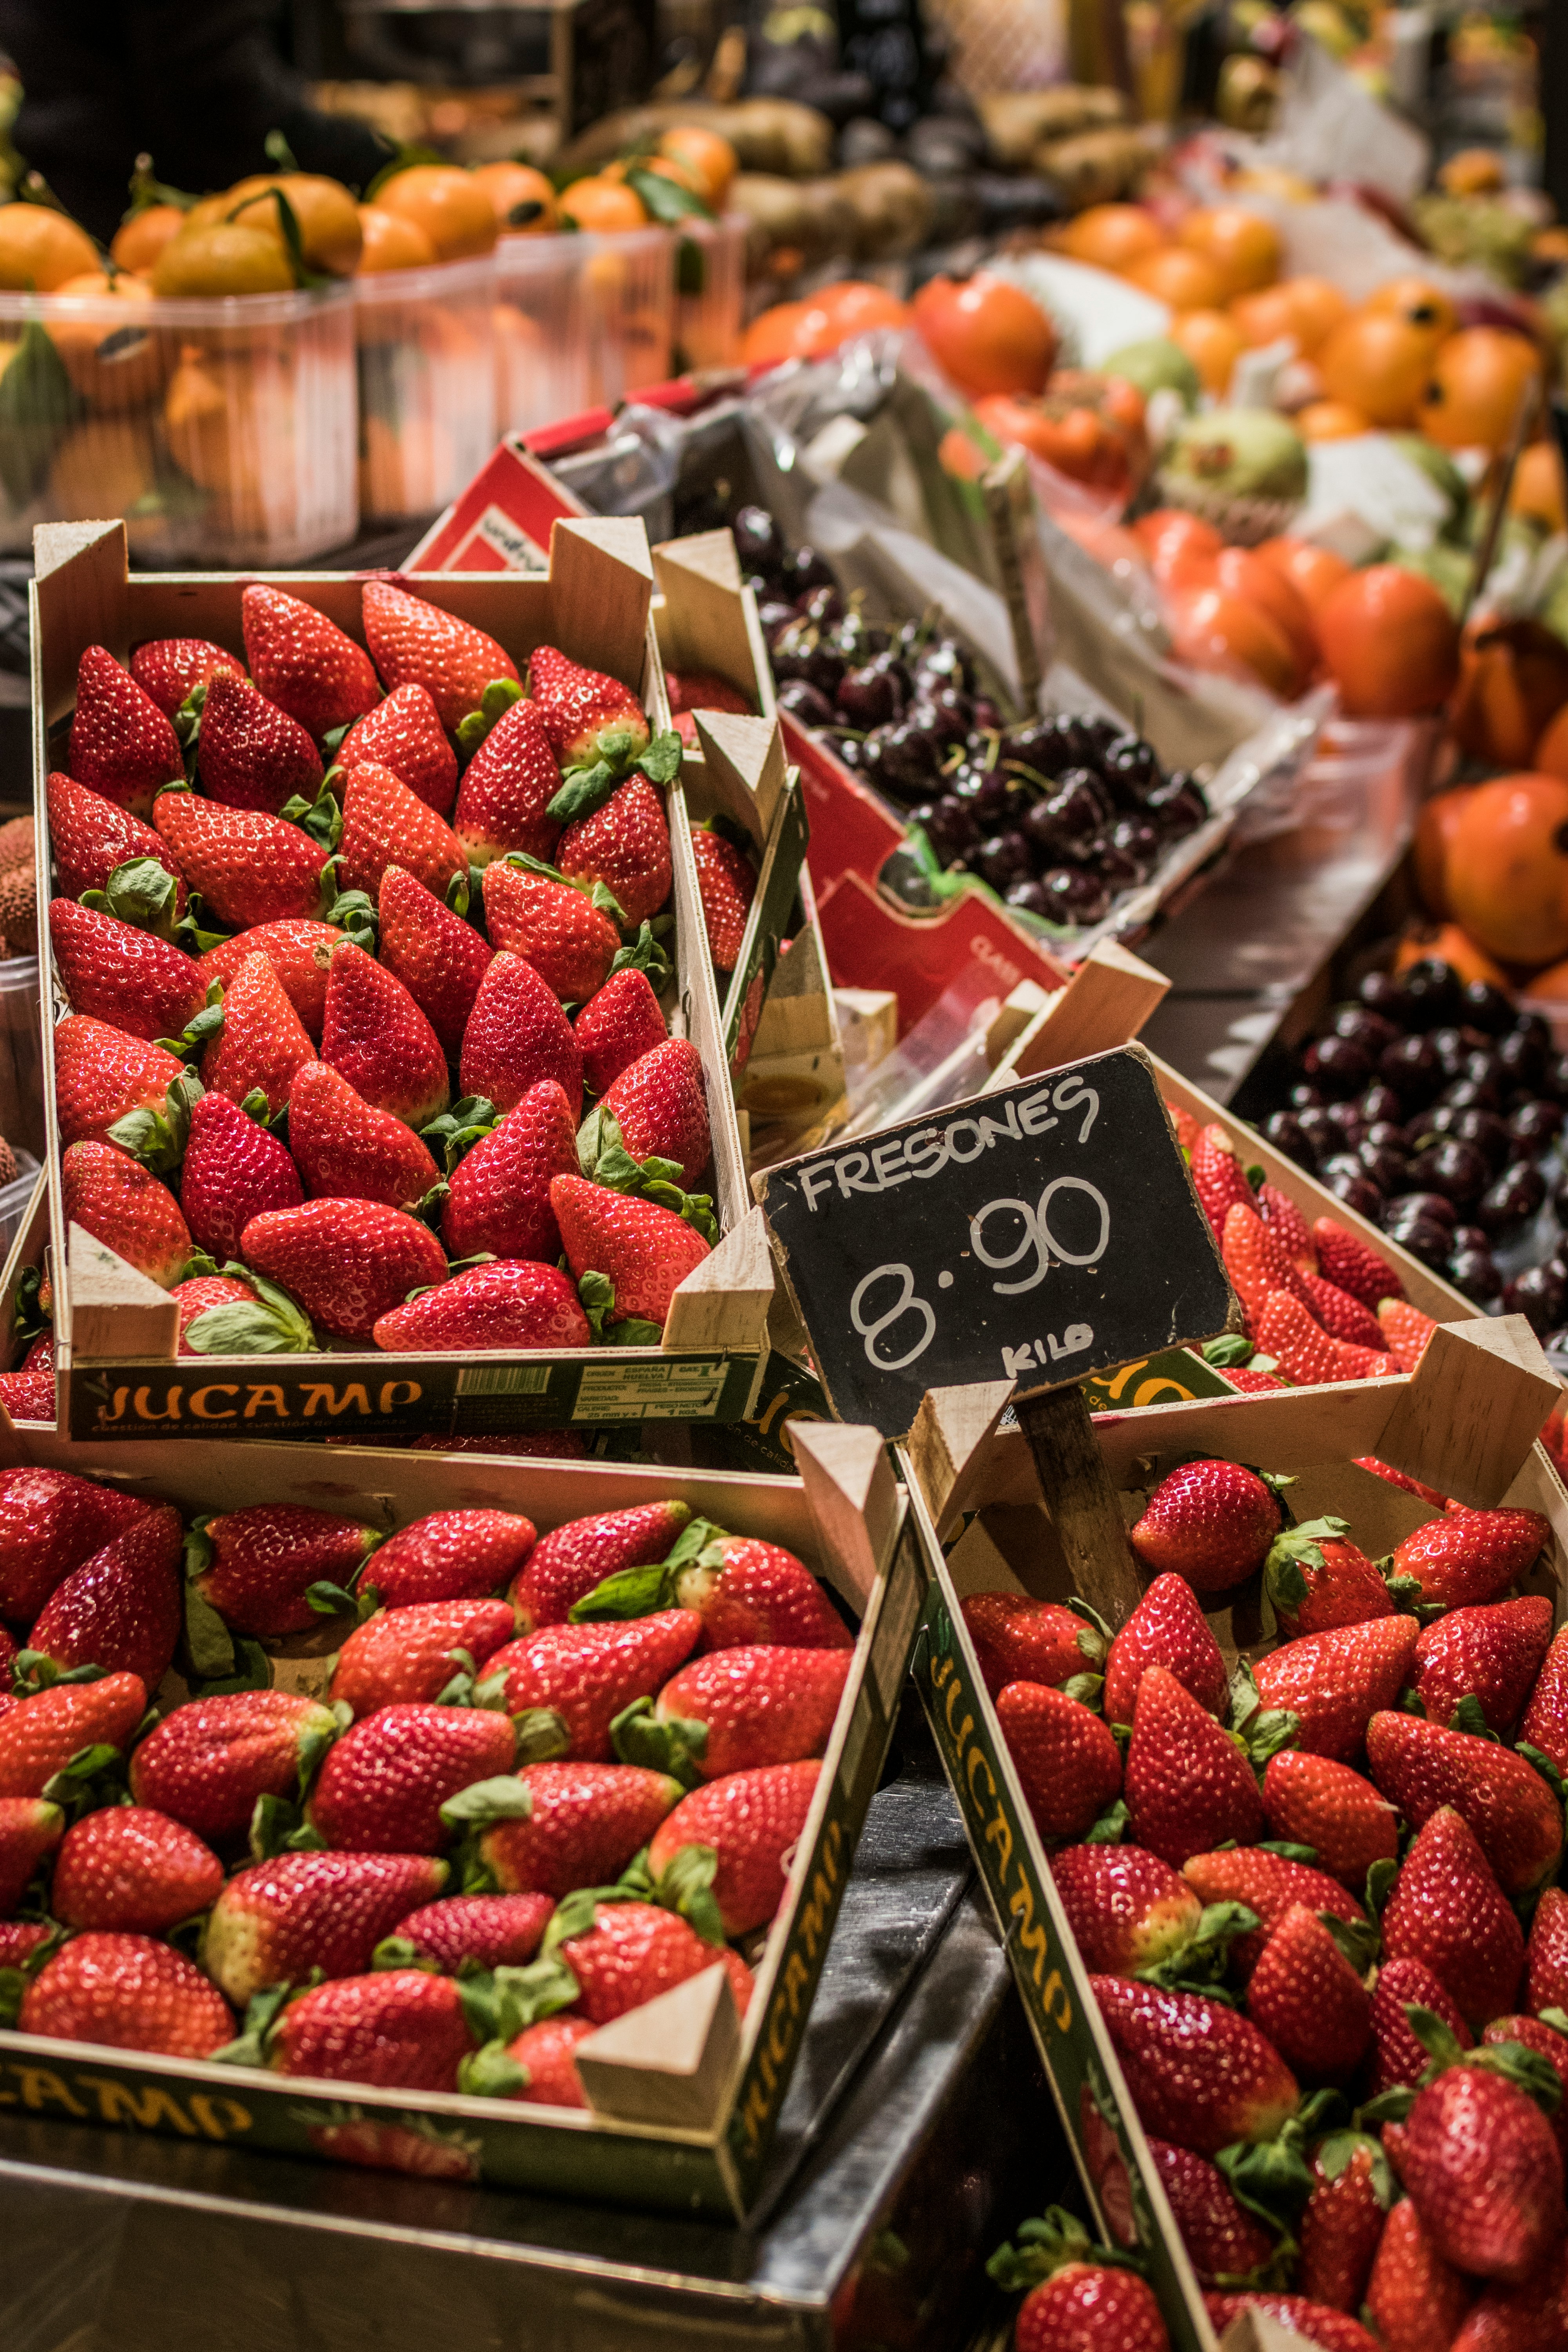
1081,1500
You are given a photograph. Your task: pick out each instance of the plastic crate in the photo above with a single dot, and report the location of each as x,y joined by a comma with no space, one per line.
628,308
425,349
540,332
711,287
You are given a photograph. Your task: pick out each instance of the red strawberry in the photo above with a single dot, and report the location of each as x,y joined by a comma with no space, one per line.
256,1566
347,1149
1076,2303
347,1263
1069,1766
660,1105
1269,1884
567,939
1546,1983
376,1037
1399,1478
297,948
516,1302
635,1951
1342,2223
1209,1521
1019,1638
29,1392
1166,1629
276,1921
1399,2057
304,662
1492,1655
500,1197
1251,1381
1414,2299
578,1678
133,1870
204,1292
752,1822
262,1043
1310,1800
647,1252
1127,1910
1222,2240
404,2029
208,1762
1302,1347
121,745
92,836
1350,1264
251,754
1345,1317
404,733
400,1656
40,1736
583,1825
1336,1682
1258,1261
544,2054
384,1784
126,1993
1480,2164
1310,2001
567,1564
735,1710
451,1556
120,1610
617,1027
625,846
1545,1724
1187,1128
439,957
495,1930
727,883
250,868
504,802
29,1829
1448,1911
1406,1331
113,1197
1317,1578
1188,1786
51,1521
233,1169
1200,2075
745,1591
1553,2046
102,1076
1219,1177
1330,2331
171,668
518,1034
1468,1556
587,715
112,971
1285,1221
1521,2318
703,690
386,824
416,644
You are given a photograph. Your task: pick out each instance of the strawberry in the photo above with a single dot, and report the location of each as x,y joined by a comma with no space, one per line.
256,1566
1166,1629
735,1710
493,1930
1200,2075
29,1829
567,939
1342,2221
133,1870
1219,1177
543,2054
404,733
1533,2034
504,802
347,1149
251,754
1310,2001
208,1762
1222,2240
1345,1317
1304,1351
1310,1800
500,1195
1019,1639
1448,1911
1330,2331
404,2028
587,715
1545,1722
276,1920
1286,1222
40,1736
29,1392
751,1822
347,1262
1076,2303
121,1609
233,1169
1492,1655
102,1076
1399,1478
126,1993
1334,1683
1480,2165
567,1564
1209,1521
1414,2298
660,1105
1317,1578
518,1034
401,1655
121,745
583,1825
1188,1786
1406,1331
577,1679
745,1591
1127,1910
539,1444
645,1251
112,971
1258,1261
386,824
1523,2318
633,1951
113,1197
1546,1956
1467,1557
625,846
384,1784
304,662
51,1521
171,668
439,958
204,1292
617,1027
414,643
91,837
727,883
1268,1885
516,1304
451,1556
1399,2057
376,1037
703,690
1350,1264
1069,1766
262,1043
250,868
298,947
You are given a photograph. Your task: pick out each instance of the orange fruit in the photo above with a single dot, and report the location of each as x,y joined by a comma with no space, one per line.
1308,309
1513,679
40,248
1453,946
1538,490
1418,302
390,243
671,167
809,331
1215,629
1112,237
1473,171
1378,363
1242,572
1183,280
139,241
1178,545
326,214
711,157
103,466
854,307
1244,247
221,258
456,216
1429,851
523,199
1313,571
112,368
1551,751
1390,642
1478,381
1319,306
1507,869
1329,420
1213,342
986,333
771,337
601,204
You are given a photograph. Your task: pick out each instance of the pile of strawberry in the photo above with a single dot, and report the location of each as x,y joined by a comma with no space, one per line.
397,978
1320,1304
1326,1941
547,1781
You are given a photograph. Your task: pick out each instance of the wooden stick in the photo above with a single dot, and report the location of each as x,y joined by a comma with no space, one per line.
1081,1500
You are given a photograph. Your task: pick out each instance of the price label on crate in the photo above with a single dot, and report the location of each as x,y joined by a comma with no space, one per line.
1042,1234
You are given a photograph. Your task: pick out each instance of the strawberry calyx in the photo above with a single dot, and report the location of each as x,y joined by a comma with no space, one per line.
34,1670
200,1030
685,1885
503,1798
598,894
597,1294
321,818
1259,1731
140,892
1111,1826
1294,1549
93,1777
1536,1755
277,1826
639,1592
355,912
14,1981
646,953
1527,2070
456,1130
262,2013
33,1314
1056,2242
498,2005
494,703
158,1138
1197,1965
674,1744
603,1159
397,1952
1272,2178
622,746
272,1324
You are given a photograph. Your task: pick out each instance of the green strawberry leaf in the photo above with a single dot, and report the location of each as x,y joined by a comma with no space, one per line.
1380,1880
1272,2179
693,1209
28,1319
1404,1591
1336,2153
1297,1549
630,1592
252,1670
355,912
1111,1826
494,703
1437,2038
1390,2106
644,954
459,1129
1557,2018
1198,1964
208,1642
34,1670
1527,2070
586,790
1545,1767
675,1744
542,1735
516,1997
661,761
1469,1716
634,1331
94,1777
1087,1689
188,721
458,1691
397,1952
321,818
260,2020
598,894
273,1324
597,1293
1412,1702
1357,1940
504,1798
139,892
327,1599
1052,2242
1230,1347
158,1138
1290,1851
685,1885
488,2073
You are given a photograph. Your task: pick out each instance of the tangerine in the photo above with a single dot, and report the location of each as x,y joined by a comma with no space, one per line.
1178,545
390,243
1330,420
1478,380
986,333
1244,245
706,153
1213,342
1418,302
1507,869
1214,630
40,248
140,240
107,360
604,205
1305,309
1377,362
1181,279
221,258
1243,573
1313,571
1389,642
324,212
523,199
1112,237
103,466
456,216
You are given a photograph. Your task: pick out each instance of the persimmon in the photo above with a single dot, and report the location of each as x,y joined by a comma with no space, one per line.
1478,382
1180,277
1377,362
1313,571
140,240
456,216
1507,869
986,333
810,331
1551,751
854,305
1244,247
40,248
1178,545
1450,943
1087,426
1330,420
1213,342
1214,630
1538,489
1111,236
1513,679
1418,302
522,199
1429,850
1389,642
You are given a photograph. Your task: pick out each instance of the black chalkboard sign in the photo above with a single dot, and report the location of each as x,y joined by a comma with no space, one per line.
1041,1233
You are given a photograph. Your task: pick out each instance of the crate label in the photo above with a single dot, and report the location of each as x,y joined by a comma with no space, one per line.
678,1391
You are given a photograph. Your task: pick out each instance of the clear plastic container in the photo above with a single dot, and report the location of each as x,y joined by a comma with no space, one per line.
15,1200
541,331
222,430
710,291
21,1055
425,349
628,302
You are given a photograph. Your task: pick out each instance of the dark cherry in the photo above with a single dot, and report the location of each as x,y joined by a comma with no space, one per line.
1471,1125
1554,1078
1535,1025
1318,1129
1519,1057
1452,1047
1433,1207
1424,1239
1474,1273
1534,1125
821,607
1540,1295
1410,1066
1047,745
987,718
945,664
1067,824
1132,770
802,569
1385,1132
1382,993
1458,1171
804,702
1381,1103
1030,896
1177,808
907,766
949,711
1075,895
1387,1167
1486,1007
1136,838
1356,1190
1305,1097
1115,870
1473,1094
1432,994
1365,1028
1471,1237
1003,858
1284,1132
773,613
1560,1200
1513,1200
759,541
1348,1121
848,747
952,827
985,791
1339,1065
